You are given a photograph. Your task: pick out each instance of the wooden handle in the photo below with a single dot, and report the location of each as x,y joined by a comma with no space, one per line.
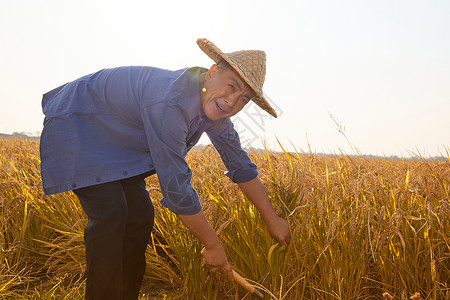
242,281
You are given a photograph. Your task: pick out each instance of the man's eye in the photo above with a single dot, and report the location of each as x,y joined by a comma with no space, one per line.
232,87
245,100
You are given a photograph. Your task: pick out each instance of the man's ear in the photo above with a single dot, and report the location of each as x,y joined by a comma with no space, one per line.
214,68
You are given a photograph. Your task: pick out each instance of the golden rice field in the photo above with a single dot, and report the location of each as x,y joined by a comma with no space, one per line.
361,229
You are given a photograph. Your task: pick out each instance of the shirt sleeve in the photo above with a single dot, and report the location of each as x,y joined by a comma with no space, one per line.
166,128
240,167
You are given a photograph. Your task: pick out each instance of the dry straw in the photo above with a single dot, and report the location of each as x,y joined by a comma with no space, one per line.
360,228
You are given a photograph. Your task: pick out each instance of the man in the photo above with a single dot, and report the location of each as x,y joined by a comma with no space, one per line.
105,132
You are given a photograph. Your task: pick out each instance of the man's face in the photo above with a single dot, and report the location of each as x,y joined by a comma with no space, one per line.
226,93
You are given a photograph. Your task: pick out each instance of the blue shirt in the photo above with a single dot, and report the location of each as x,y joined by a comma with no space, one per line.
122,122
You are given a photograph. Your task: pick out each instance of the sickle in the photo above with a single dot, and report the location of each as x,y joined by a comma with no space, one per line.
245,284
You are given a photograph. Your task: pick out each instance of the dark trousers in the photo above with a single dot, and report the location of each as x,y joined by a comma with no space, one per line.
120,219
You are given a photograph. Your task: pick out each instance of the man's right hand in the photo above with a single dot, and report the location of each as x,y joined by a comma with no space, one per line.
215,258
214,255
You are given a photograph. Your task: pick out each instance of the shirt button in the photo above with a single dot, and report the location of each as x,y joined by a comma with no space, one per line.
125,173
98,179
74,185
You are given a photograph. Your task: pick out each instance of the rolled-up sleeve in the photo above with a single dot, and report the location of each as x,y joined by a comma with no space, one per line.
166,128
240,167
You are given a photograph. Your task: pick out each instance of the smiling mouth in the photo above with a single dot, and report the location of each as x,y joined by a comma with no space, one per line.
220,108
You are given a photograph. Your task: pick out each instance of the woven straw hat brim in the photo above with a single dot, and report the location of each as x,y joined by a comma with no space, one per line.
216,55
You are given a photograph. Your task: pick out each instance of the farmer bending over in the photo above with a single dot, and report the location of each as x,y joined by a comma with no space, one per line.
105,132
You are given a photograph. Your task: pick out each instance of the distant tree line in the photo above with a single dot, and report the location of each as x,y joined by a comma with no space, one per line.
24,135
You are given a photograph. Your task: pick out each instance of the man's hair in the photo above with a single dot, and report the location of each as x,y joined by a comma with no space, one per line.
223,63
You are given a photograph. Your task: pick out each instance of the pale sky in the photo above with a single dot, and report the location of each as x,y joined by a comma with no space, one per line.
381,67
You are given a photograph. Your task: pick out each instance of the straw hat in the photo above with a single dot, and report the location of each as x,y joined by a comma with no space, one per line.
249,64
